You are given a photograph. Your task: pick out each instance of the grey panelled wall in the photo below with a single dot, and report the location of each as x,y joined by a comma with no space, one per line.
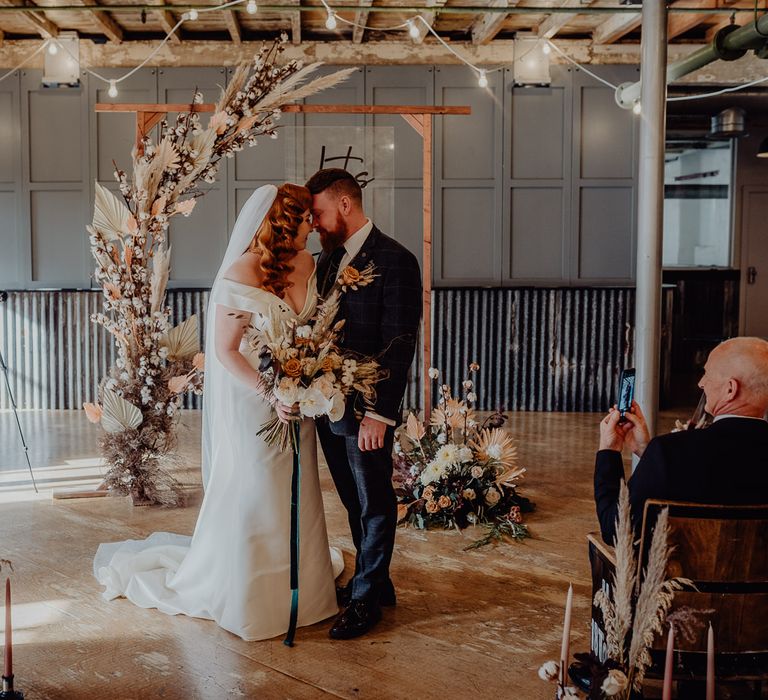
538,349
536,187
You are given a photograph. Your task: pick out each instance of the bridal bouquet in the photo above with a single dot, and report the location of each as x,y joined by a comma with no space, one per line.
304,366
457,472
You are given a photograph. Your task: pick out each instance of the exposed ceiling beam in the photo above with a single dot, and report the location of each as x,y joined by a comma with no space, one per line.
295,22
556,21
2,37
233,26
429,17
487,26
109,27
616,27
682,22
167,21
37,20
361,19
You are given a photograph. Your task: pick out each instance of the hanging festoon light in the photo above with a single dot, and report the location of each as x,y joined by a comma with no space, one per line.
251,7
482,79
112,92
53,49
546,49
193,14
413,30
330,22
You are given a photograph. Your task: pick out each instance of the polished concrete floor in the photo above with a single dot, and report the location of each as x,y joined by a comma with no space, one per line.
467,625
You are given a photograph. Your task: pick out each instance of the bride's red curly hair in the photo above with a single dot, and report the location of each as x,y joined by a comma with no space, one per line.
275,237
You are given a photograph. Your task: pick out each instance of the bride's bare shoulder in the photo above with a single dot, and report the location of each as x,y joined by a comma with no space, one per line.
246,270
304,262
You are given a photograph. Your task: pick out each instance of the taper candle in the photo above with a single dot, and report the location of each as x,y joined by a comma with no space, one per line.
564,649
710,664
8,651
666,693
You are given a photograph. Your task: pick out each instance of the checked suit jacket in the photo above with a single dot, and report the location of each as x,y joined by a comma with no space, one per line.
381,321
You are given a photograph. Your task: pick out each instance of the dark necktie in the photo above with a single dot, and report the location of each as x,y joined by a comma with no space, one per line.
333,269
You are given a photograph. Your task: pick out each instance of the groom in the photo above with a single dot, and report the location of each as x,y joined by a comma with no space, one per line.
381,321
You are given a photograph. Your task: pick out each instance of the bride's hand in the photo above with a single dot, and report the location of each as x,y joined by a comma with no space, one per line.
286,413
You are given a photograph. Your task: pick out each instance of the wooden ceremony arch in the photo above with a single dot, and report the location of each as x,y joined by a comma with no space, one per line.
419,117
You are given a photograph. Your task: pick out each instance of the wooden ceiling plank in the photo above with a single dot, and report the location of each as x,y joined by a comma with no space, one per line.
107,24
487,26
615,27
556,21
36,20
233,26
361,19
429,19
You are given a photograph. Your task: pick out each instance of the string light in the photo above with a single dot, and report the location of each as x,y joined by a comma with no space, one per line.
331,23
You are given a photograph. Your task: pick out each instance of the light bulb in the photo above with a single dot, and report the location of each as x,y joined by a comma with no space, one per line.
546,49
413,30
52,48
251,7
112,92
482,81
193,14
636,108
330,23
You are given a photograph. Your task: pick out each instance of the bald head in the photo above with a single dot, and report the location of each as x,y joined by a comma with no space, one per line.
736,378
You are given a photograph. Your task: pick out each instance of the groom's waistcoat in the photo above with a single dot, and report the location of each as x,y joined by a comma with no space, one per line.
381,320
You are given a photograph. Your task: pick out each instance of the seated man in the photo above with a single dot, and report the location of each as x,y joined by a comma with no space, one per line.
725,463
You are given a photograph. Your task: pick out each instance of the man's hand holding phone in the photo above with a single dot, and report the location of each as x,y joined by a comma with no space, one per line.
633,432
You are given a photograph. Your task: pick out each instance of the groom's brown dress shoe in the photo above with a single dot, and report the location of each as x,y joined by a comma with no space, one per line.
359,617
387,599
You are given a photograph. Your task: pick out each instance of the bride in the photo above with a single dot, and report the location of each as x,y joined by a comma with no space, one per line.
235,568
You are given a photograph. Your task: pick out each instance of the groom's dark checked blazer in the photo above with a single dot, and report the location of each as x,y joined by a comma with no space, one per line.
381,321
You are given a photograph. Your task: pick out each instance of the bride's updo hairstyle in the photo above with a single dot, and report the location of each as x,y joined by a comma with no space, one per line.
274,239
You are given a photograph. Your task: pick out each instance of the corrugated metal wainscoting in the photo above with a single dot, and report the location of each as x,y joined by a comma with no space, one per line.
538,349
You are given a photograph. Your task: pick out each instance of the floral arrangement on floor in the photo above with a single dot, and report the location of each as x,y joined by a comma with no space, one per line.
456,472
304,366
156,365
632,618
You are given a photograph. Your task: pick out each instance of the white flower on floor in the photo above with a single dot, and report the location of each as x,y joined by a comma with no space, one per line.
477,472
614,683
465,455
549,671
492,496
441,438
432,472
495,452
447,455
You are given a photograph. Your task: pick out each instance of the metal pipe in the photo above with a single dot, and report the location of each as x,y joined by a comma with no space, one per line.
729,44
650,208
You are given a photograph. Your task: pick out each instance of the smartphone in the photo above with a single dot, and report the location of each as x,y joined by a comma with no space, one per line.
626,392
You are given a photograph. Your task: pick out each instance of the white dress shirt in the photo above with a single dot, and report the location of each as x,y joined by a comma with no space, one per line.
733,415
352,246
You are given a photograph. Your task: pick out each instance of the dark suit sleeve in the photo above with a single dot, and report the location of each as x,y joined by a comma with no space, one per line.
402,296
648,481
609,472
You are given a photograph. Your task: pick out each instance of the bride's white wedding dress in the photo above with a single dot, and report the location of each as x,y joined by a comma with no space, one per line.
235,569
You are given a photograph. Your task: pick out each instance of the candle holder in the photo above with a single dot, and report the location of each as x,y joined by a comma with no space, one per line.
8,693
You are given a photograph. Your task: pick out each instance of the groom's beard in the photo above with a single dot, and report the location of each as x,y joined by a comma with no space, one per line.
330,240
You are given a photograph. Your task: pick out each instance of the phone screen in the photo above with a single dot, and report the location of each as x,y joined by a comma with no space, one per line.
626,390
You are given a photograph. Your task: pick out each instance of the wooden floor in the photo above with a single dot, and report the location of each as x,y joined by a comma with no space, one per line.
467,625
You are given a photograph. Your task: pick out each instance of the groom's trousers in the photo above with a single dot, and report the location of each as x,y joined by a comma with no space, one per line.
364,483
